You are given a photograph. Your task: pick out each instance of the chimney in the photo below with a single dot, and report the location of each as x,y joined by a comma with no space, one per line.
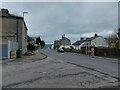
4,10
95,35
63,36
82,38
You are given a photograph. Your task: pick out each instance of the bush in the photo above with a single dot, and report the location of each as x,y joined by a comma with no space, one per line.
67,49
76,51
31,47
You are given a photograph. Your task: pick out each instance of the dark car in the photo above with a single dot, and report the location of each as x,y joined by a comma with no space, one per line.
60,50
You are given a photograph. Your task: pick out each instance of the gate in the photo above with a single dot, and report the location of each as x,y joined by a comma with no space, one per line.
4,51
6,48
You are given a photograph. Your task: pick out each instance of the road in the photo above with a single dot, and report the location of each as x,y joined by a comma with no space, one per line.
103,65
59,70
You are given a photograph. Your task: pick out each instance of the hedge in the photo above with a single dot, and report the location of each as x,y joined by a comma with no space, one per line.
104,51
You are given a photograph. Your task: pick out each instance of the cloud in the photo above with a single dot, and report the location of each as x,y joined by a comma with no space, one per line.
60,1
75,19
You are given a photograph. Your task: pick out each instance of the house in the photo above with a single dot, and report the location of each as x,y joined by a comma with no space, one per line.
97,41
56,44
63,41
13,29
78,44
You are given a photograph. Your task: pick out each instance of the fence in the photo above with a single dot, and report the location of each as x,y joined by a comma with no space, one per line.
7,48
103,51
110,52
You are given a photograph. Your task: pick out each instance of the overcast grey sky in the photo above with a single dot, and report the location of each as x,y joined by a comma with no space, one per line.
51,20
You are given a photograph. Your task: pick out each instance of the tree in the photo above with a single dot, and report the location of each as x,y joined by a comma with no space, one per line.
30,47
113,40
42,44
38,40
29,39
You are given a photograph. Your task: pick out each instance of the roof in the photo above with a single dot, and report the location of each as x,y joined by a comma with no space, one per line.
79,42
4,13
92,38
63,37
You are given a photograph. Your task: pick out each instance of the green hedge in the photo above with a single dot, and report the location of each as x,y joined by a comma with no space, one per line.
67,49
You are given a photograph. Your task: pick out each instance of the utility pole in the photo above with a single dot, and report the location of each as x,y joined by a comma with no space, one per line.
17,30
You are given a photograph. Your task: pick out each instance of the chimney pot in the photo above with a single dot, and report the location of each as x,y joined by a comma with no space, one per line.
96,35
4,10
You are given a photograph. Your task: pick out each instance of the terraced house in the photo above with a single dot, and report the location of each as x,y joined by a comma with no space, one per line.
97,41
13,29
63,41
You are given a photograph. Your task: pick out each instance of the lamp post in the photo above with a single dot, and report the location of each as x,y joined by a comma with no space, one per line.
17,26
24,14
17,30
25,35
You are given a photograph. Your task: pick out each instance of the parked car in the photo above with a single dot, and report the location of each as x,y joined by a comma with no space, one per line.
60,50
66,48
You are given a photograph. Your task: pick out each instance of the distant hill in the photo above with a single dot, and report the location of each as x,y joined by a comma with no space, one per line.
48,45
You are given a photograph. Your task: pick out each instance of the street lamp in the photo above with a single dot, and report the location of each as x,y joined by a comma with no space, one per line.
24,13
25,34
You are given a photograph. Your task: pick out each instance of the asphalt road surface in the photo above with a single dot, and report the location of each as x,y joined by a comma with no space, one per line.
103,65
60,70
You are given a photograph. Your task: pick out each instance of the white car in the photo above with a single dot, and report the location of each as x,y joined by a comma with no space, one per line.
65,46
60,50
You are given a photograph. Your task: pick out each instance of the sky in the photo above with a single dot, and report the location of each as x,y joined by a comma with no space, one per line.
50,20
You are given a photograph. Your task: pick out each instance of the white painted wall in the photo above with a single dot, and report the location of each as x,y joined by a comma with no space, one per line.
100,42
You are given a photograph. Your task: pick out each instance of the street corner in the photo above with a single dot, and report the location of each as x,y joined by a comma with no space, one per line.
37,56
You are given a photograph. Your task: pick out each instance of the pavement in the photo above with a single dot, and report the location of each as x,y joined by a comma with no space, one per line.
106,58
27,58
